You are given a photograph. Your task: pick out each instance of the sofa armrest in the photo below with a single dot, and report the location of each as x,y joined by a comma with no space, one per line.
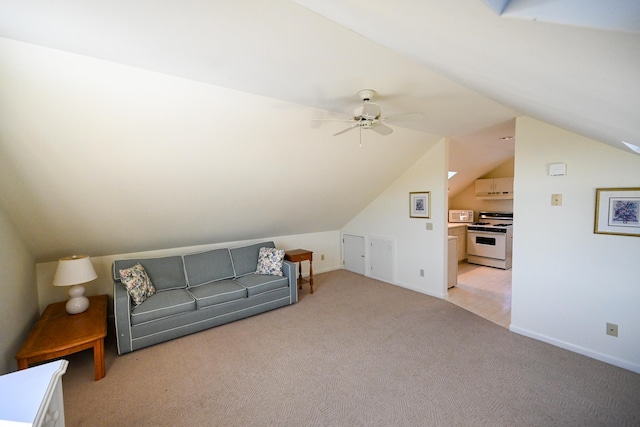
122,316
289,270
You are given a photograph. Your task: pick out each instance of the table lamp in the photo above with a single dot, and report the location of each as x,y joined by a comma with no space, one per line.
73,271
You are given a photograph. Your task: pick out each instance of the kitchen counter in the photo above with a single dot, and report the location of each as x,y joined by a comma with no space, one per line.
457,224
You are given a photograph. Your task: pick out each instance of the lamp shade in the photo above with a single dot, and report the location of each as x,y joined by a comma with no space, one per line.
73,270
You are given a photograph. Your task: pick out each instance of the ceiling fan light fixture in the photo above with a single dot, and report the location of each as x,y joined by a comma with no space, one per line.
367,111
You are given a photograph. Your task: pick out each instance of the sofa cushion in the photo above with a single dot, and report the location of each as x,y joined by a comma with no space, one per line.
137,283
163,304
259,283
165,273
270,261
245,259
217,293
207,267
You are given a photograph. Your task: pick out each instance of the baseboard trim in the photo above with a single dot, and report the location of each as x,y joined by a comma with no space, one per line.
404,285
326,270
577,349
422,291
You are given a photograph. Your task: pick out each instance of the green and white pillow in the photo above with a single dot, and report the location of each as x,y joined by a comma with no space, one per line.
137,283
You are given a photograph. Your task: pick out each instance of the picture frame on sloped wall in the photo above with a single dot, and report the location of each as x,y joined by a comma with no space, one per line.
420,204
617,211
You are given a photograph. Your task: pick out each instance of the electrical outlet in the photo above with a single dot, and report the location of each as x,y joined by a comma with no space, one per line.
556,200
612,329
421,273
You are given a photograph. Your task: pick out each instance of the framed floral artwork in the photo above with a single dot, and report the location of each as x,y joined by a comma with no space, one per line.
420,206
618,211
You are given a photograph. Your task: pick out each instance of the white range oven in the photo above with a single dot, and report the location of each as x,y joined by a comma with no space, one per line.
490,240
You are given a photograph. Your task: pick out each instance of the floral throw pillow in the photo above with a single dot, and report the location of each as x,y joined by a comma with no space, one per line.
270,261
137,283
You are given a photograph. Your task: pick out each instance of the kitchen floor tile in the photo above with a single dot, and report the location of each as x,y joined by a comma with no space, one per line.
485,291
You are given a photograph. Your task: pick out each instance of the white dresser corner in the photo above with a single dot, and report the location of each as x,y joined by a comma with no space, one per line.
33,396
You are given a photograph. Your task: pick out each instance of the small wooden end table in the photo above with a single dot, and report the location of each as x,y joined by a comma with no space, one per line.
299,255
58,334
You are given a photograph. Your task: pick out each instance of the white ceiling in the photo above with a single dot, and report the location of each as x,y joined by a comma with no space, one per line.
579,78
617,15
467,69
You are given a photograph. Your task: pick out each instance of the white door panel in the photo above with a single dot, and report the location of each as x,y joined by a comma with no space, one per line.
353,253
381,259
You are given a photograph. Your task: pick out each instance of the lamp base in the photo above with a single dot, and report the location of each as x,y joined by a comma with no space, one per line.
78,303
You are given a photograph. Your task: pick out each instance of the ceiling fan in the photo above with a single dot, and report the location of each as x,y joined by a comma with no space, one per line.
367,116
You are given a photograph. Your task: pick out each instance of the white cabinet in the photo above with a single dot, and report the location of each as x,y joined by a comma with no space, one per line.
452,262
33,397
494,188
460,231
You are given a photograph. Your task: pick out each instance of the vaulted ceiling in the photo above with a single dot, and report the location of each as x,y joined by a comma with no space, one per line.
137,125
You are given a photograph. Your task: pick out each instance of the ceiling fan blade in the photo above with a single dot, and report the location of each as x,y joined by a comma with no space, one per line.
346,130
381,129
333,120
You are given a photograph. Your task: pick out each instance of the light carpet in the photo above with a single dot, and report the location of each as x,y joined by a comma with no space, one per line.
358,352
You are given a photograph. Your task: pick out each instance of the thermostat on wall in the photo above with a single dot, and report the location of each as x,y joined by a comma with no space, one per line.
557,169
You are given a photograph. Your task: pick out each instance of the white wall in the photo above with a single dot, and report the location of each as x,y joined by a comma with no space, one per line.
325,243
19,296
416,247
567,281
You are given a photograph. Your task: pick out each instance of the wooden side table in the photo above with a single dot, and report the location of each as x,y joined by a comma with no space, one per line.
58,334
299,255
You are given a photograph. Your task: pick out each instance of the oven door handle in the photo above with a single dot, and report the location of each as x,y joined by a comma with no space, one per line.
493,233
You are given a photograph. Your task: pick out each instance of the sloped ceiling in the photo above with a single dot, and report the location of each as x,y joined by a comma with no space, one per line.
617,15
577,77
128,126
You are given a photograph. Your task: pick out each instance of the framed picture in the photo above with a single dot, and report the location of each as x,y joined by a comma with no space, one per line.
420,206
618,211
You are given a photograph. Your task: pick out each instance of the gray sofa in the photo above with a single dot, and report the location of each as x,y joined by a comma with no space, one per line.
196,292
